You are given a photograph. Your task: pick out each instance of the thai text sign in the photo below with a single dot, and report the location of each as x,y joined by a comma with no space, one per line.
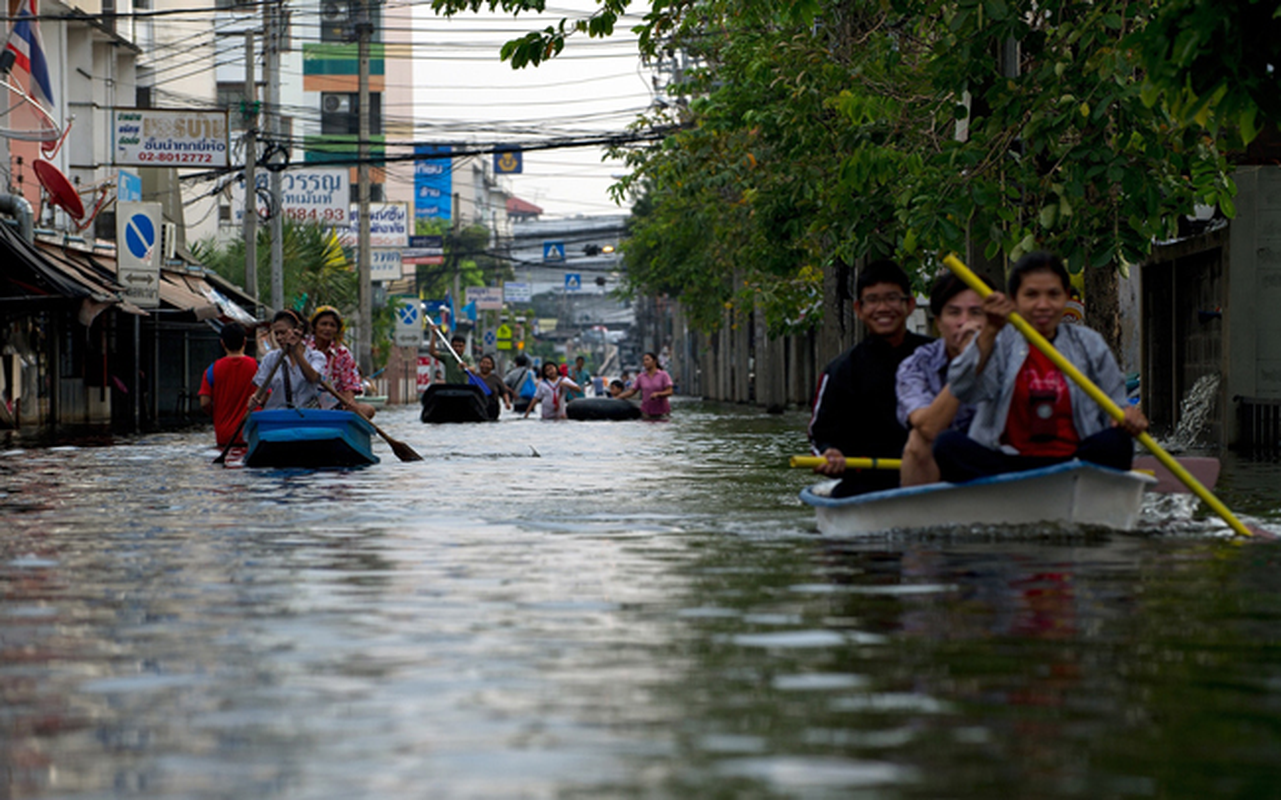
389,226
486,298
321,195
385,265
425,250
150,137
433,181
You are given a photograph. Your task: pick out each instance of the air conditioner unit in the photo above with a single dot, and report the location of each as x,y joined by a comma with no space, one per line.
168,241
336,104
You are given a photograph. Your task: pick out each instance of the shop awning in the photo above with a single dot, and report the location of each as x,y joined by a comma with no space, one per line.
41,272
177,291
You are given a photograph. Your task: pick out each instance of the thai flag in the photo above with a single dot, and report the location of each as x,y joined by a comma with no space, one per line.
28,51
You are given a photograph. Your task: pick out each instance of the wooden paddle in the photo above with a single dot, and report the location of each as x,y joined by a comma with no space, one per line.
1041,343
403,451
222,457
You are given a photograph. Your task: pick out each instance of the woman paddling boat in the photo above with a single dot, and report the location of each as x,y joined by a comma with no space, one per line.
1027,413
327,329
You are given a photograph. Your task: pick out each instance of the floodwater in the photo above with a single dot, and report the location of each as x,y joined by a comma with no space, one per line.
641,610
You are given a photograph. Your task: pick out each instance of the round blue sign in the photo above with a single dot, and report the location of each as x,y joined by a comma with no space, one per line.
140,236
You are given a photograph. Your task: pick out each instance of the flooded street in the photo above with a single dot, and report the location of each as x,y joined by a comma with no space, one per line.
606,610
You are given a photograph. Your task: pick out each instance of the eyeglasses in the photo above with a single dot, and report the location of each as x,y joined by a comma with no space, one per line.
882,299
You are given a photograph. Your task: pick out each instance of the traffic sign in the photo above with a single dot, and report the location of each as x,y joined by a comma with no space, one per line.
553,251
409,324
504,336
490,339
138,252
573,282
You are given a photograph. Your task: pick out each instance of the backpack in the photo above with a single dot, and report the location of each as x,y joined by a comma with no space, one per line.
527,386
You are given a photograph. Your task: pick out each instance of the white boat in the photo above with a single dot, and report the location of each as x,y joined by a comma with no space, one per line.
1073,493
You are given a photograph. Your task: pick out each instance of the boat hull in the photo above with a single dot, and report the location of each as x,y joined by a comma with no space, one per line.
452,402
1072,493
309,438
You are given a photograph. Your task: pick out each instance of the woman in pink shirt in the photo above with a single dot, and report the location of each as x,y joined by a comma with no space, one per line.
655,386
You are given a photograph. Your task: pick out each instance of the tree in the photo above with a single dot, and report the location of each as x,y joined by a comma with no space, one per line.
466,252
818,132
316,271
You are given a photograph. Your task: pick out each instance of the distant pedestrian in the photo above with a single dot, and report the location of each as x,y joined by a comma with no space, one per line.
552,388
580,376
522,381
655,386
497,389
227,384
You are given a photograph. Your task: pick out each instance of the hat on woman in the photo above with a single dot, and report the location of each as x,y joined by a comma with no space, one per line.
321,311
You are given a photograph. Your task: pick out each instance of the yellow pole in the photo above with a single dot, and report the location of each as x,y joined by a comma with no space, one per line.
1041,343
850,462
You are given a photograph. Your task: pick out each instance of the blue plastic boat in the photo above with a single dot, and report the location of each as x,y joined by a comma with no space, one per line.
309,438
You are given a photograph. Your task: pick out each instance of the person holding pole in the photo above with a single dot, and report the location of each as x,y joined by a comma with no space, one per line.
1027,413
855,411
297,384
455,366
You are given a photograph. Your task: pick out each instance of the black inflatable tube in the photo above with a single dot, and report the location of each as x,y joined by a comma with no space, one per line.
602,408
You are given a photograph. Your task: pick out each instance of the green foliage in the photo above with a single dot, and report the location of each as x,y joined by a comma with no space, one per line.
1213,60
817,132
467,252
315,268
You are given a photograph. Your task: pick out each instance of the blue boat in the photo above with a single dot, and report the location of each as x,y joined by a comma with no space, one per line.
310,438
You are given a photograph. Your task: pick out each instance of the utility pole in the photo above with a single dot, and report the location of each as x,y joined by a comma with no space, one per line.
275,23
251,157
364,337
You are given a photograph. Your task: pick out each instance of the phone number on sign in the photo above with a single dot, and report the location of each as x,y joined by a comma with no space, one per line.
336,216
177,158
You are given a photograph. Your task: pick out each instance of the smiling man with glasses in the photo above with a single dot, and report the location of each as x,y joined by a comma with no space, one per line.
855,407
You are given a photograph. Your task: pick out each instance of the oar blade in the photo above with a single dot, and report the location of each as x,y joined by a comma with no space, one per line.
403,451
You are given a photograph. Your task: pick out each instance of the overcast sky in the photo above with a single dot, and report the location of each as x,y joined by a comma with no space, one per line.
463,91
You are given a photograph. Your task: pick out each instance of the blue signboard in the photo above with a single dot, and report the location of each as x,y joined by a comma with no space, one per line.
128,187
553,251
508,162
433,181
573,282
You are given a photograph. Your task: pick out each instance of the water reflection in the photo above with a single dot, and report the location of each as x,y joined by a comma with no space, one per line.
638,610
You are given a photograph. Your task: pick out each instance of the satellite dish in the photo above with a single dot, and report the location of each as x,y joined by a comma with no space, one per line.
60,190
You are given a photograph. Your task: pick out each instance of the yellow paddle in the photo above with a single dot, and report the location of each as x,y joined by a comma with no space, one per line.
850,462
1041,343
